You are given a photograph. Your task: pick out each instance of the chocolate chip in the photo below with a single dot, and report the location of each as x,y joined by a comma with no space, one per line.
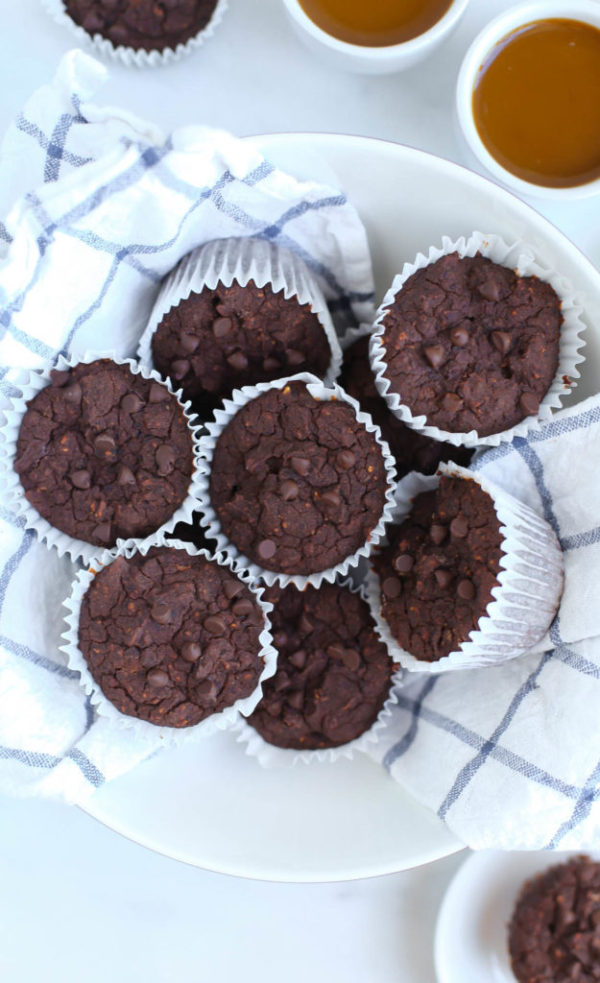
238,361
131,403
158,393
125,476
336,651
158,678
266,549
189,343
392,587
243,607
346,459
289,490
301,465
271,364
295,699
403,563
232,588
214,624
162,612
437,533
435,355
298,659
529,403
443,577
466,590
81,479
221,327
191,651
295,357
489,289
59,378
459,527
165,459
73,393
331,498
207,689
280,639
103,532
502,341
305,625
452,403
105,445
179,368
351,659
459,336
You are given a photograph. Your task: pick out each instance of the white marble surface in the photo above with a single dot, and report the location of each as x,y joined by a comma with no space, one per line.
77,902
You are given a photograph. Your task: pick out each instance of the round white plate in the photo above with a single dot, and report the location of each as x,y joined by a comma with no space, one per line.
212,806
471,938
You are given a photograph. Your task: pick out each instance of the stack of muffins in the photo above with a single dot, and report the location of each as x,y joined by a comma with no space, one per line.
226,586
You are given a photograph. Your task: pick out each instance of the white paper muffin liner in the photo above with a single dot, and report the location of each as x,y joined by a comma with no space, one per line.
129,56
209,519
132,726
225,260
531,582
521,258
271,756
12,490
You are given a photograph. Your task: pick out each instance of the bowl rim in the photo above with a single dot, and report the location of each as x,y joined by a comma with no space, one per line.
379,53
585,11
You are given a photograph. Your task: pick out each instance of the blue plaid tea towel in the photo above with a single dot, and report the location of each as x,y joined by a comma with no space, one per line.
95,208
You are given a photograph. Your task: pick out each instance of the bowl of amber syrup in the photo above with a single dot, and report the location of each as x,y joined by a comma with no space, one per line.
374,36
528,98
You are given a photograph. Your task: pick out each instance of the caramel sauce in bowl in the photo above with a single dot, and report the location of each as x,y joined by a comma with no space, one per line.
374,36
528,98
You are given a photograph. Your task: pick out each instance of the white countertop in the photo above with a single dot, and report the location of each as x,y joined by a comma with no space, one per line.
78,902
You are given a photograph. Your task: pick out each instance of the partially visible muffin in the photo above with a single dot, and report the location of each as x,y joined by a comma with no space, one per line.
142,24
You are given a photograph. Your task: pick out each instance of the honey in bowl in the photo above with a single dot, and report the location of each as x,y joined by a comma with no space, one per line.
536,103
375,23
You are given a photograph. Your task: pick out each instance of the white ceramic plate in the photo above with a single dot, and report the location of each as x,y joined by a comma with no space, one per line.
212,806
471,939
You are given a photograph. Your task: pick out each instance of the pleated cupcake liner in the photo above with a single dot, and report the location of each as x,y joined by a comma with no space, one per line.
13,493
209,519
130,726
530,582
521,258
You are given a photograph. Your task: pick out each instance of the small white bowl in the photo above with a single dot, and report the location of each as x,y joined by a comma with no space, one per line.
586,11
373,60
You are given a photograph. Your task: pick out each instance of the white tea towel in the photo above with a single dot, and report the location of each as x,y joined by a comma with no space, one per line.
96,207
509,757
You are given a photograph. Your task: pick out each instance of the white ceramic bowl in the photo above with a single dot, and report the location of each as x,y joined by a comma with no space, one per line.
373,60
587,11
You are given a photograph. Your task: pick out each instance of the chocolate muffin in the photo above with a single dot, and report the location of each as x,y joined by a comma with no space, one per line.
333,673
438,570
413,451
554,931
298,484
471,345
219,340
104,454
171,638
142,24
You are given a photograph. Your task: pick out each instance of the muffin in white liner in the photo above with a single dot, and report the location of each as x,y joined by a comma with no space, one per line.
134,726
223,262
530,582
130,56
272,756
12,489
210,520
518,257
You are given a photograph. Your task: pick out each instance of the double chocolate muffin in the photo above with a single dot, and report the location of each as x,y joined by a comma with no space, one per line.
412,451
297,483
142,24
439,568
471,345
333,673
104,453
554,933
221,339
171,638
